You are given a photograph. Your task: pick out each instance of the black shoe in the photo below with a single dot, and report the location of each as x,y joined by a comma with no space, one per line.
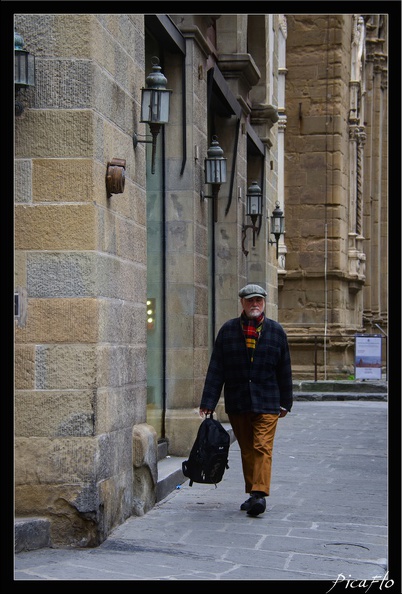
247,504
257,506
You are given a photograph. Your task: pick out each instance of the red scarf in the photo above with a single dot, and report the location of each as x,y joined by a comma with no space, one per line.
251,329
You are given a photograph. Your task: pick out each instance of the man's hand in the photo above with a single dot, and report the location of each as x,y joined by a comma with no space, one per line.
205,411
282,412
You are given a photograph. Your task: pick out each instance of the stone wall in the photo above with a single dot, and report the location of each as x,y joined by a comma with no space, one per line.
80,348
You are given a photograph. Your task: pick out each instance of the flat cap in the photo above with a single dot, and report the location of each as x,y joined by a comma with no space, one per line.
252,291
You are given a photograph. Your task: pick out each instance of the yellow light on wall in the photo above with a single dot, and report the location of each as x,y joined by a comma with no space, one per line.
151,313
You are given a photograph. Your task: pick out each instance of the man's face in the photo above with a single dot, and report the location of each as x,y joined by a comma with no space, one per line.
253,307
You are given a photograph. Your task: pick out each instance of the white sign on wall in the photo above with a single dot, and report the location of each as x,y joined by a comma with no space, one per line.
368,356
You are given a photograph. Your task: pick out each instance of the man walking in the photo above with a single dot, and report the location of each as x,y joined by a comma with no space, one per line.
251,361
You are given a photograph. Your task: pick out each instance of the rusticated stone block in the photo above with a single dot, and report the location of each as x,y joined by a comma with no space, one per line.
63,84
62,180
65,367
60,321
24,367
54,414
62,274
121,365
56,461
55,133
119,407
55,227
112,99
115,453
121,322
22,180
121,279
20,269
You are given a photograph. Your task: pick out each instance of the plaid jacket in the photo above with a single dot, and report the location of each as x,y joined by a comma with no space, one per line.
262,386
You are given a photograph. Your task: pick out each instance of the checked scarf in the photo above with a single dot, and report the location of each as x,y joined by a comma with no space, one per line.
251,329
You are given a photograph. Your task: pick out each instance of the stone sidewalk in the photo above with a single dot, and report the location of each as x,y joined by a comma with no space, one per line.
326,516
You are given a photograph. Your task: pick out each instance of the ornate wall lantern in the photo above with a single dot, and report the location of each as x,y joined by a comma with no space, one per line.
24,69
155,102
254,211
215,172
277,225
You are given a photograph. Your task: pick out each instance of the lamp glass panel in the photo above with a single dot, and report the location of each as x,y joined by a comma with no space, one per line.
277,225
164,107
24,69
254,204
150,106
146,105
223,170
215,171
155,106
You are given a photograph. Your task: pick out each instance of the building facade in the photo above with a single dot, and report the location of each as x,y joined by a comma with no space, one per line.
333,264
127,262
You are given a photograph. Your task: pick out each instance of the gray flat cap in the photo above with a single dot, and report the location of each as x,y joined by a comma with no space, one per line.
252,291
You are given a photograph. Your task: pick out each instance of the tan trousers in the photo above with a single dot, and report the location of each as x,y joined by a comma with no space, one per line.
255,434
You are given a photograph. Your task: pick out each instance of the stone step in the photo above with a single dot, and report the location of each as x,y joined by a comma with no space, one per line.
339,395
349,386
170,476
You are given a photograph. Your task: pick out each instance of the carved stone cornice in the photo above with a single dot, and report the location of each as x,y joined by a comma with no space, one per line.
264,113
330,275
241,66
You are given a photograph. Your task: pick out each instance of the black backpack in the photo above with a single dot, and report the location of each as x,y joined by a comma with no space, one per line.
208,458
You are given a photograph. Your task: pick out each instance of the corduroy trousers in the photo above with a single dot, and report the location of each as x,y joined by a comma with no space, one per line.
255,434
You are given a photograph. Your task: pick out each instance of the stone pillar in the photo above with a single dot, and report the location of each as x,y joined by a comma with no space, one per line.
186,264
